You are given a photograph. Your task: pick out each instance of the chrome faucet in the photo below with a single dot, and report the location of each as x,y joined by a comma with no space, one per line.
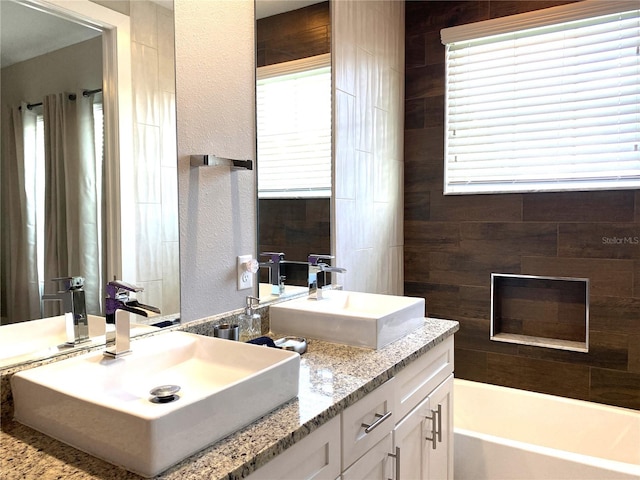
118,299
275,276
75,310
316,267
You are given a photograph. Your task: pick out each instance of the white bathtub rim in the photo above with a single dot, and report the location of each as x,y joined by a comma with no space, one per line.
597,405
615,466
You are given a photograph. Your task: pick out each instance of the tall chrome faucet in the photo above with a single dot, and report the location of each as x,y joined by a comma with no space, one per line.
75,311
275,275
316,267
118,299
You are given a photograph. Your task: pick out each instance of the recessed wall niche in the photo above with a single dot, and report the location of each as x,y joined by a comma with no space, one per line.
551,312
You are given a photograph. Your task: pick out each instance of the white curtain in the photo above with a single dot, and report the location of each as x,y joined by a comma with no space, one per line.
72,211
20,298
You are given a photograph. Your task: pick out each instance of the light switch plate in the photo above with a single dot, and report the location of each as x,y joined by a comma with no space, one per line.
245,277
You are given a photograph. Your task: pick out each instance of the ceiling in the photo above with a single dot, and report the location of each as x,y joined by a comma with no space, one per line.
26,32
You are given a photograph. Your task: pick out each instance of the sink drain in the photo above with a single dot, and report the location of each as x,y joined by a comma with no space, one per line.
164,394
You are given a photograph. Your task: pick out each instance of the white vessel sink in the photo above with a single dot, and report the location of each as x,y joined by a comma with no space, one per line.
351,318
36,339
103,406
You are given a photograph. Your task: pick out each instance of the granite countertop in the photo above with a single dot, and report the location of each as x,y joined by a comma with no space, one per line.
332,377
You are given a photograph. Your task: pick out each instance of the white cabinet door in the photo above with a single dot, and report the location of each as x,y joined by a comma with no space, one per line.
376,464
316,457
440,458
410,443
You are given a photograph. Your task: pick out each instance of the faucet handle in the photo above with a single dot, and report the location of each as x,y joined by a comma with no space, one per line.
275,257
315,258
69,283
116,286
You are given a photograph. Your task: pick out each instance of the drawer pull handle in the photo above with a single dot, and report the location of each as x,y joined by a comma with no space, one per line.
436,427
397,457
380,419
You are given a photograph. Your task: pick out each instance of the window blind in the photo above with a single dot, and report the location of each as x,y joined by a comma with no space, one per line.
550,107
294,129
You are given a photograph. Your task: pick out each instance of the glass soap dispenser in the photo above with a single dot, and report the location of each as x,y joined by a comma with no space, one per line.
250,322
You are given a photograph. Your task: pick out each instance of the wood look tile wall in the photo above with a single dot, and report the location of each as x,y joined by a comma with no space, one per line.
454,243
296,227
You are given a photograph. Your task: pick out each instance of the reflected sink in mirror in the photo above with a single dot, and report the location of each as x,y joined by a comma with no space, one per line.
104,407
352,318
265,295
43,338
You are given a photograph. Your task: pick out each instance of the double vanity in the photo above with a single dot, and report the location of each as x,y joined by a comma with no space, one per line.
234,410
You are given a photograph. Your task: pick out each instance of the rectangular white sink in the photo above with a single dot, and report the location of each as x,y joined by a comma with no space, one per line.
352,318
104,407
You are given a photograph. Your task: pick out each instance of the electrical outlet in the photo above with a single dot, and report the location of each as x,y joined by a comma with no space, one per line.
245,277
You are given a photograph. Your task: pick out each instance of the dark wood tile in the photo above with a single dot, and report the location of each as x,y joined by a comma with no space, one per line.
508,238
606,277
422,82
599,240
615,314
434,49
416,264
474,334
555,378
469,268
636,279
486,208
424,16
499,8
425,145
606,350
434,113
416,207
414,113
637,207
634,352
432,237
470,364
615,388
414,51
605,206
441,299
474,302
299,45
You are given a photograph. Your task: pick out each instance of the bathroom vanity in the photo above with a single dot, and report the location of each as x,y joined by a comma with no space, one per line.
400,394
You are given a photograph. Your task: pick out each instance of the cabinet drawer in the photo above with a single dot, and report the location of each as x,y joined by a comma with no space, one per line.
366,422
316,457
420,377
376,464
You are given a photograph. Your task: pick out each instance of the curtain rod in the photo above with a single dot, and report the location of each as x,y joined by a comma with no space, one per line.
86,93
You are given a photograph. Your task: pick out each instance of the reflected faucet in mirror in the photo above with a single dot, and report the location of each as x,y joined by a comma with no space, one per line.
71,295
118,303
318,267
275,276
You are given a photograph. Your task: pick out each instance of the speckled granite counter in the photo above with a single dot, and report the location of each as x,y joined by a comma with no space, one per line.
332,377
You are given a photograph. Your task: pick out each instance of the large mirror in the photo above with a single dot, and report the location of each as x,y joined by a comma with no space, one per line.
293,58
133,214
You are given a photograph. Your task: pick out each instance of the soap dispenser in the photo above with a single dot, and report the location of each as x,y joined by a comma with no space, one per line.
250,322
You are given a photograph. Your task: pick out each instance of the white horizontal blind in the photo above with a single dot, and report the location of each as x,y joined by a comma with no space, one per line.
548,108
294,130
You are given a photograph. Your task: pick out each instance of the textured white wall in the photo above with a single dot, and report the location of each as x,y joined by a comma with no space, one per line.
368,65
215,96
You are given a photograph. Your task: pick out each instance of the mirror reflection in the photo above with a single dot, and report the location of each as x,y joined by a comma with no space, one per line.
294,139
59,199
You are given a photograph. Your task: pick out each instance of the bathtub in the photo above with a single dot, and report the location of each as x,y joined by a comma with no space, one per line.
504,433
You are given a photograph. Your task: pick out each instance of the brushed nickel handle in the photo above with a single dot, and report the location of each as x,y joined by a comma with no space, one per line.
397,457
436,427
374,425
